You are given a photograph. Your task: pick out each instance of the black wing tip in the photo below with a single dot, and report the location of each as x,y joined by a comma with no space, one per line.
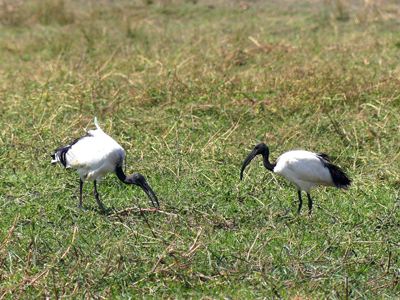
339,177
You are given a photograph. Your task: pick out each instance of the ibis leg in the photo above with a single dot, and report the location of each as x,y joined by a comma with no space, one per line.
96,195
309,203
300,201
80,193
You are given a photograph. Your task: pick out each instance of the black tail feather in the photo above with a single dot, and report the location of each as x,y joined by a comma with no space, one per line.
339,177
61,153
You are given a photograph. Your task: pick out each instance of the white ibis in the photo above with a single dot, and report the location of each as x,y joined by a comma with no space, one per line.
95,155
306,170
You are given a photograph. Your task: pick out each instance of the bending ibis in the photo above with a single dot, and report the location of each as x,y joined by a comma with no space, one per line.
306,170
95,155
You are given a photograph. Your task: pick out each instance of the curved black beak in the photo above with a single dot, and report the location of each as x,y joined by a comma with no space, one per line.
147,189
247,161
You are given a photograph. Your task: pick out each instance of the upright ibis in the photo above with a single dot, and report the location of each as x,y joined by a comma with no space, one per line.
306,170
95,155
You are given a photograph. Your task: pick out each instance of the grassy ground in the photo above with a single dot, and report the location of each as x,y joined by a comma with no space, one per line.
188,89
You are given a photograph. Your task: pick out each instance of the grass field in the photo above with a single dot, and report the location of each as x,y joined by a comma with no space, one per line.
188,89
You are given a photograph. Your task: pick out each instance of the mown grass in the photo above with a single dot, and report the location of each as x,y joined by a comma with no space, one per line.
188,90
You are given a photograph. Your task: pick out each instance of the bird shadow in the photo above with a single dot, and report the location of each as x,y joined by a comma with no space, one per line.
289,214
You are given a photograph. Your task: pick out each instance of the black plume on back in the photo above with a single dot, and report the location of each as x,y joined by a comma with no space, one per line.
340,179
325,157
61,153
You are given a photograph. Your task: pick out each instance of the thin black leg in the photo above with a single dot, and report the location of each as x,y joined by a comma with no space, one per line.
309,204
96,195
80,193
300,201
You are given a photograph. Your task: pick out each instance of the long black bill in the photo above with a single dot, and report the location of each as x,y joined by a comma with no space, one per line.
147,189
247,161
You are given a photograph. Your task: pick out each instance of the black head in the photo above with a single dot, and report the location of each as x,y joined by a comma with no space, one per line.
260,148
139,180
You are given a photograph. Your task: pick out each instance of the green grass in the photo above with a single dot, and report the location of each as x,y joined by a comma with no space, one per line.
188,90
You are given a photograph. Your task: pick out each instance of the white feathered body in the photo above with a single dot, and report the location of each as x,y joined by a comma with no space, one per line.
93,156
306,170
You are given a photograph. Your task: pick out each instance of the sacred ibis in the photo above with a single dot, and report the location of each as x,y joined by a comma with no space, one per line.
95,155
306,170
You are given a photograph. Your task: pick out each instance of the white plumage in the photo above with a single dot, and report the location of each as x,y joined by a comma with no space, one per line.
306,170
95,155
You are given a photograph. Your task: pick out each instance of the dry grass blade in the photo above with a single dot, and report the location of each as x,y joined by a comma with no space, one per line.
326,249
386,271
7,238
163,254
195,241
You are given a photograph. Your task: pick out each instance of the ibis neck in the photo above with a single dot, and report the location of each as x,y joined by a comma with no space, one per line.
120,174
267,163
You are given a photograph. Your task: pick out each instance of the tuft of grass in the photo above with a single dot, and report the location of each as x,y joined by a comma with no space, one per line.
48,12
44,12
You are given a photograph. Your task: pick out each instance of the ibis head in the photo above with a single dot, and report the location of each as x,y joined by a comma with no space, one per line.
139,180
262,149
